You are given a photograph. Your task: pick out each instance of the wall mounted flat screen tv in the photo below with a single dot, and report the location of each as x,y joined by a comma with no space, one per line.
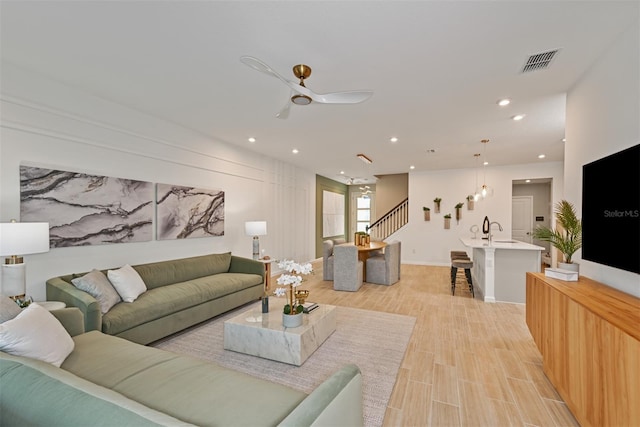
611,210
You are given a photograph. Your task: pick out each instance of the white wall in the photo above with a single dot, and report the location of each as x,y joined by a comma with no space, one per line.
427,242
47,124
603,117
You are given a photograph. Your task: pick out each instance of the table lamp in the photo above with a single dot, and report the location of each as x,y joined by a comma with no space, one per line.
255,229
17,239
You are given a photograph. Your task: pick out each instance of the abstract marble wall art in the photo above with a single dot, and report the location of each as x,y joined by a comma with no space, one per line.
84,209
186,212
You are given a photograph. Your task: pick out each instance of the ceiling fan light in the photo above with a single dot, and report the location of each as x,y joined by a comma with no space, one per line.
300,99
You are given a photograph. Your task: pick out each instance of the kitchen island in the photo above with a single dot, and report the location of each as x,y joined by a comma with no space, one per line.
500,267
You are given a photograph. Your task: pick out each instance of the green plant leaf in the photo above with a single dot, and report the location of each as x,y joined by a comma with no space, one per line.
568,239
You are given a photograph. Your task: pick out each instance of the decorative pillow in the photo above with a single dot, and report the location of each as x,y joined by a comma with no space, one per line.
37,334
96,284
8,308
127,282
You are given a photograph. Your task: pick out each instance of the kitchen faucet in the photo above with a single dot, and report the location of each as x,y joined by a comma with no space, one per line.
499,228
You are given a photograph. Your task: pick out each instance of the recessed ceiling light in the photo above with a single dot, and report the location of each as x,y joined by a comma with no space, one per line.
393,139
485,163
252,139
527,180
412,167
341,172
295,151
541,156
518,117
564,139
504,102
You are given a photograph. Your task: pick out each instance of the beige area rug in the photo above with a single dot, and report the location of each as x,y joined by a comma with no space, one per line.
374,341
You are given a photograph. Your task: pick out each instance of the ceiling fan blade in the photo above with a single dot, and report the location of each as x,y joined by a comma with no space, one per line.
350,97
258,65
284,113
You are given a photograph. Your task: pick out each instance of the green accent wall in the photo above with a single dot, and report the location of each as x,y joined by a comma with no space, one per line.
327,184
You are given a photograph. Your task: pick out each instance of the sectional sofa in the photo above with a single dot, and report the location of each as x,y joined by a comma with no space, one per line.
109,381
179,293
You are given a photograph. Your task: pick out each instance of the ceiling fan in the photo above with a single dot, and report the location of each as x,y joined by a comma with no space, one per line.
300,94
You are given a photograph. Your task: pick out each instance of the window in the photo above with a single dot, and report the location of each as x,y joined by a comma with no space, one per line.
363,212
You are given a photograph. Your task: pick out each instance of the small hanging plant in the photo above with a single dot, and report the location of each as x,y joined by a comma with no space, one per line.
436,202
427,213
471,201
447,221
459,212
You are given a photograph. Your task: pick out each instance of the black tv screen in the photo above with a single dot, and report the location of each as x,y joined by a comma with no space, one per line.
611,210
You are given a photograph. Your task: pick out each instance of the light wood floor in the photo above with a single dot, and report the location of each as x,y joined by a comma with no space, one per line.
468,363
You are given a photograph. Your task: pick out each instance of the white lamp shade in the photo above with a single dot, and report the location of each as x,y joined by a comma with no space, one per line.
255,228
23,238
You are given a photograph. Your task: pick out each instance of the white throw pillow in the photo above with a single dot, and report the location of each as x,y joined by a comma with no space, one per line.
127,282
37,334
96,284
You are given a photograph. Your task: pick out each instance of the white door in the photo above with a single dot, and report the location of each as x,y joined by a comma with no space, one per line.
522,218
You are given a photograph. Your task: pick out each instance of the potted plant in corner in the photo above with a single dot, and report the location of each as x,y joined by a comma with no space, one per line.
427,213
292,312
567,238
459,212
471,201
436,204
447,221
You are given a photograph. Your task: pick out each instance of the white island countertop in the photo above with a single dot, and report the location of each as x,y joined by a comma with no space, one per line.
500,244
500,267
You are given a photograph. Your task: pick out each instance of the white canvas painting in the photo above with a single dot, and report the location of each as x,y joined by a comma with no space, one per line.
188,212
84,209
332,214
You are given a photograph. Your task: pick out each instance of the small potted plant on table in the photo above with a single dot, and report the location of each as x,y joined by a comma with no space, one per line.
292,312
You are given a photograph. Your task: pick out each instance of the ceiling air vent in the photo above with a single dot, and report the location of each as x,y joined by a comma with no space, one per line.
539,61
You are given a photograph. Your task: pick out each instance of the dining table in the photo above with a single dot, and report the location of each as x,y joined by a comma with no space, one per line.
364,251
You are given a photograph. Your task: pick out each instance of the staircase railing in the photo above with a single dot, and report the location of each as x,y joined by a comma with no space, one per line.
390,222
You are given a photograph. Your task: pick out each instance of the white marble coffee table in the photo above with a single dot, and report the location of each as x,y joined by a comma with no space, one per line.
264,336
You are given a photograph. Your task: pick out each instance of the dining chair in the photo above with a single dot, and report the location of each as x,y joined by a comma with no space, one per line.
347,268
385,269
327,259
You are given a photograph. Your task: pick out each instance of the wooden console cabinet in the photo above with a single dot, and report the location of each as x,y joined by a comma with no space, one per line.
589,338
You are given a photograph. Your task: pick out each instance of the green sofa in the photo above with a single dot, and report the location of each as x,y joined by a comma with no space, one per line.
180,293
109,381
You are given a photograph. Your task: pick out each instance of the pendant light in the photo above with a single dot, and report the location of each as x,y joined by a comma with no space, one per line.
485,191
476,192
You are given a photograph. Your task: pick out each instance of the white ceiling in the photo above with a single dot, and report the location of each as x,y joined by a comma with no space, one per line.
437,69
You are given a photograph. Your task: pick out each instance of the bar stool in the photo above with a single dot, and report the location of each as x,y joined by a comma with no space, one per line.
459,254
467,265
454,272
